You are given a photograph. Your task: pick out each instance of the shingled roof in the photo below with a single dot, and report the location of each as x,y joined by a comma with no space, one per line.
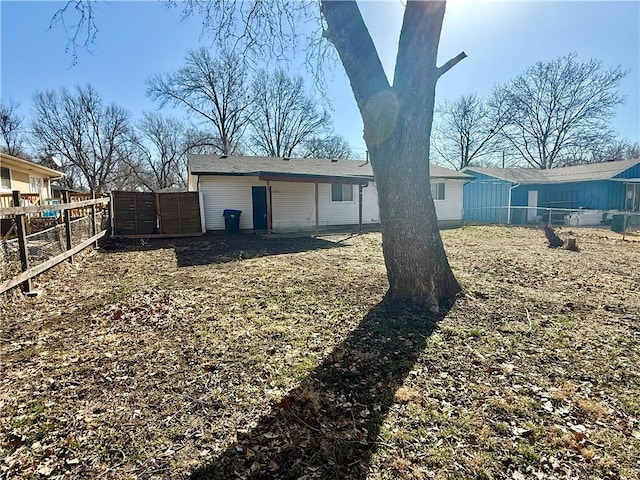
296,167
578,173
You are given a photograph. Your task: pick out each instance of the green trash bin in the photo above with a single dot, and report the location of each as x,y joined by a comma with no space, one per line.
232,220
618,223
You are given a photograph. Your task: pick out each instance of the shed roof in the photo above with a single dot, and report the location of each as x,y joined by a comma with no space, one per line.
578,173
296,167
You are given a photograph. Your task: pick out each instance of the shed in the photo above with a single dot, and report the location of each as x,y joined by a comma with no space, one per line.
522,195
297,194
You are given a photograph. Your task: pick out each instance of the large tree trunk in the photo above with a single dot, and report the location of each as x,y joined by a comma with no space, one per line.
397,128
417,266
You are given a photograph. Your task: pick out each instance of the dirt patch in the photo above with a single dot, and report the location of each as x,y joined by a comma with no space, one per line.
246,357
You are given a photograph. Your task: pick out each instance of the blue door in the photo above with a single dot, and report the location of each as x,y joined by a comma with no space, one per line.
259,197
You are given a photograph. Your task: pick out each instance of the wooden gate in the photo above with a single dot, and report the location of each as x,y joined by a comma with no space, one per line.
143,214
179,213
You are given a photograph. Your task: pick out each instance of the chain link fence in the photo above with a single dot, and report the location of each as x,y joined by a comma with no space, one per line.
620,222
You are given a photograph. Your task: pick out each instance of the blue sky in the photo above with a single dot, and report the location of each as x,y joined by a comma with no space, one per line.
138,39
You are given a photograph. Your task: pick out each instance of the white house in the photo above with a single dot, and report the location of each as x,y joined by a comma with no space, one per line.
305,193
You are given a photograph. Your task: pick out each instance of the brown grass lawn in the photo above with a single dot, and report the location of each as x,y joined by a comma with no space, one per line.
245,357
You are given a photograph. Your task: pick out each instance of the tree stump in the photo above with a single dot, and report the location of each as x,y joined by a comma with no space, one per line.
572,245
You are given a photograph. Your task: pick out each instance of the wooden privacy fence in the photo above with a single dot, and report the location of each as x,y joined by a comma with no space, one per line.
31,249
144,214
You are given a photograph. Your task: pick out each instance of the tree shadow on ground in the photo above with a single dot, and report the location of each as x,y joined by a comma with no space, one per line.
215,249
328,427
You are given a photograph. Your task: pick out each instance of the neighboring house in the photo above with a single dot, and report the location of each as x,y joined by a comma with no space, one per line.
32,180
305,193
498,195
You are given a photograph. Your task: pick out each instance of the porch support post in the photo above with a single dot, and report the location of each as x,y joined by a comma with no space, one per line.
360,208
268,208
317,212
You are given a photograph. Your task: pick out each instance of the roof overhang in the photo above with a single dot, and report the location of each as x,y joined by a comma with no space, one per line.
479,172
626,180
29,166
460,178
301,178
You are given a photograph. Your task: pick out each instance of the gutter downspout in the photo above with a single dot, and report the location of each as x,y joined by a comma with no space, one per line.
367,158
360,208
509,205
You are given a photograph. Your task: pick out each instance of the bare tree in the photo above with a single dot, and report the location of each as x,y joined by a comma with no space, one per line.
12,129
618,150
557,107
163,143
465,130
213,88
127,174
80,129
397,119
283,115
331,146
604,149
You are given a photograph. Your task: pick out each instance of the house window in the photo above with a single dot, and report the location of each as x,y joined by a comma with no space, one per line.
35,184
341,192
437,191
6,178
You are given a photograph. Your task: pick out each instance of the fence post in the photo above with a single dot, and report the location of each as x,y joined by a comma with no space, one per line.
156,198
112,214
67,223
549,216
22,241
94,227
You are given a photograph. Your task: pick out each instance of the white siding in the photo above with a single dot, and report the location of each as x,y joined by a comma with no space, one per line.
370,212
451,207
293,204
192,182
293,207
337,213
220,193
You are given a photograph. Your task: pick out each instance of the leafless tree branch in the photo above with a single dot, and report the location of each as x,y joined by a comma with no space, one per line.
77,126
12,129
557,107
283,115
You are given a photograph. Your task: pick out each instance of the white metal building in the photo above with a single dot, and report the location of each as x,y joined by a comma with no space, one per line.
305,193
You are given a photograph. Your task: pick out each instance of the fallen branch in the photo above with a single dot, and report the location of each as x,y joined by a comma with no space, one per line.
554,240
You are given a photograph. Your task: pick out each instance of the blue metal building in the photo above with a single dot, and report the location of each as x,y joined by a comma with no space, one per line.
522,195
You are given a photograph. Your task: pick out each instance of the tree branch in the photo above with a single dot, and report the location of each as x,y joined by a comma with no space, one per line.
418,47
348,33
451,63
